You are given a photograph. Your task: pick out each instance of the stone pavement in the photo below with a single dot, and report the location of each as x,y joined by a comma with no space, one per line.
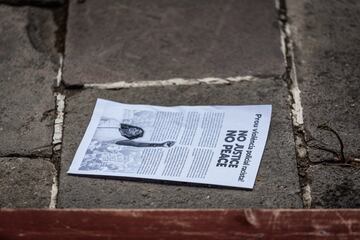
301,57
111,41
326,46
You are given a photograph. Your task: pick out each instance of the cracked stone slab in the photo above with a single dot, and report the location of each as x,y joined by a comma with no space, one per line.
27,72
111,41
334,186
25,182
276,184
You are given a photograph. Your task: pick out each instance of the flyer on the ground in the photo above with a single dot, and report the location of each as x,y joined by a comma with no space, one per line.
215,145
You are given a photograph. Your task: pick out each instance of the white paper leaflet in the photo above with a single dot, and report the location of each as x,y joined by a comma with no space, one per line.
216,145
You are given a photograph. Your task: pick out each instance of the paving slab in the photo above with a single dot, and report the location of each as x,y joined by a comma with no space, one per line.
334,186
277,180
327,54
27,73
25,182
133,40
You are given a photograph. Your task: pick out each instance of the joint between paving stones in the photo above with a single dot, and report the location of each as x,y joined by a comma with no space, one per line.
60,18
57,133
29,156
169,82
302,155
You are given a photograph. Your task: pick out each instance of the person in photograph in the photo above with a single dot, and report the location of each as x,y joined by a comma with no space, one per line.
128,133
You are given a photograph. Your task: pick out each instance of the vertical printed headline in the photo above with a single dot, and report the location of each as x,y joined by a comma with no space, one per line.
233,148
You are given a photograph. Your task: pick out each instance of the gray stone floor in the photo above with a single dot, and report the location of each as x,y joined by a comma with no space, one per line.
136,41
25,182
110,41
